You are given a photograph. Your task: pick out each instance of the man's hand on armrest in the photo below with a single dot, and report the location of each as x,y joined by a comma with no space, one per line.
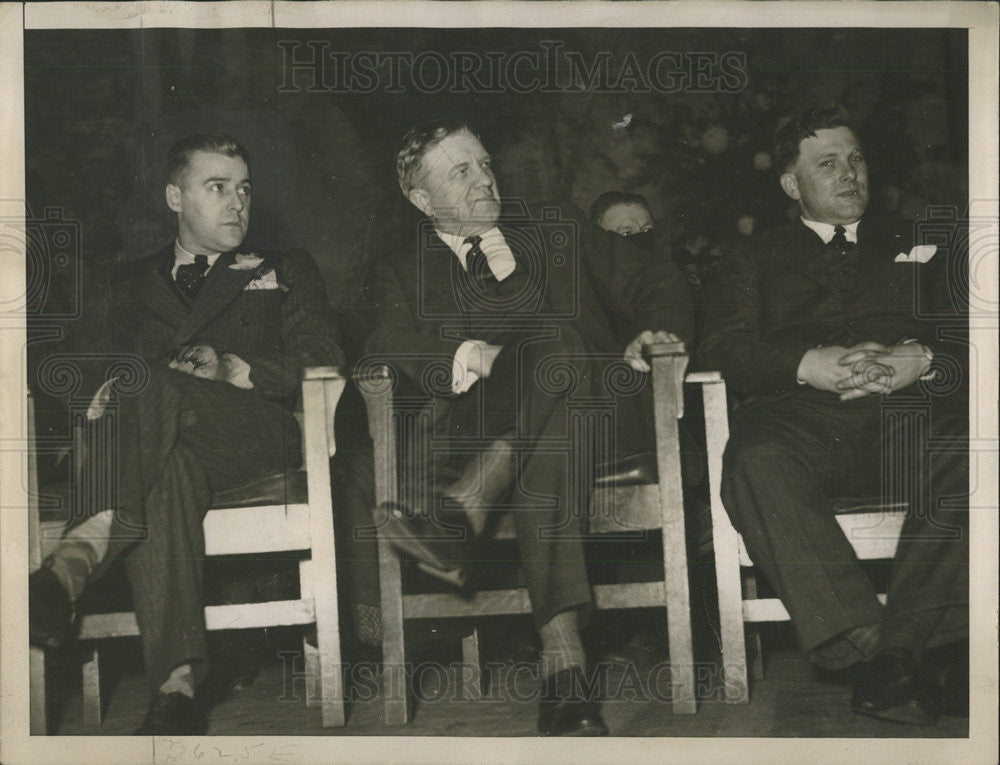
633,352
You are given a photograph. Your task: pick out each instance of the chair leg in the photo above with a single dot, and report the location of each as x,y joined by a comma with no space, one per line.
310,653
753,630
39,708
313,672
668,375
725,542
323,664
472,666
730,593
394,676
93,711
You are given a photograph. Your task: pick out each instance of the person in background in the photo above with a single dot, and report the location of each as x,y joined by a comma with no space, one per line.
629,215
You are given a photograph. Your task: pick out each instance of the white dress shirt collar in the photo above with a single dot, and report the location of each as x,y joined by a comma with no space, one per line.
183,257
825,231
498,255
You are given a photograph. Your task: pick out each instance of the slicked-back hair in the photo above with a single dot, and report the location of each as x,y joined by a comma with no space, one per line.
420,139
609,199
790,135
179,156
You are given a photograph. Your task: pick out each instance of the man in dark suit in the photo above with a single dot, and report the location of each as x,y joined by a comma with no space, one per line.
828,331
221,335
495,320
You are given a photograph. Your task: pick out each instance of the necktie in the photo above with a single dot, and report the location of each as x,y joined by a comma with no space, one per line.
841,259
476,263
839,241
191,275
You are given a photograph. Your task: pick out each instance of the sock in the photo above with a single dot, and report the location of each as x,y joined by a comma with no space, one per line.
561,646
79,552
181,680
95,531
367,621
909,632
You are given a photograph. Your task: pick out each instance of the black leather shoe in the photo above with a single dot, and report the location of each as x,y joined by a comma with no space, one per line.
173,714
438,549
235,659
949,666
568,706
891,687
50,622
644,649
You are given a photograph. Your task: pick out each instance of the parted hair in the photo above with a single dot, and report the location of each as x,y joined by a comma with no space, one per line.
803,125
179,156
420,139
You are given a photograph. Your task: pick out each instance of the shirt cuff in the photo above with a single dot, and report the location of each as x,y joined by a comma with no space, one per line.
238,371
461,378
99,403
931,373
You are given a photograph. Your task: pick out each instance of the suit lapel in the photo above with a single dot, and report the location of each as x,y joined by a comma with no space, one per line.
221,285
437,270
877,249
158,293
805,256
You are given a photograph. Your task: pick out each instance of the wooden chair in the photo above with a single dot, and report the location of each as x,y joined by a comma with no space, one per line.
291,511
651,500
872,528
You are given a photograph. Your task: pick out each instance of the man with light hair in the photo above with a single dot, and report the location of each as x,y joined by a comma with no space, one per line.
518,309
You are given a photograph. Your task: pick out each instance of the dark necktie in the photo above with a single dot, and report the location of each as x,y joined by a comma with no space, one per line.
476,264
839,241
841,259
191,275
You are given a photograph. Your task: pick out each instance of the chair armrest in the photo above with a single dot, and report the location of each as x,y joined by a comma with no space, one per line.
376,382
325,407
321,373
716,408
656,350
704,377
668,360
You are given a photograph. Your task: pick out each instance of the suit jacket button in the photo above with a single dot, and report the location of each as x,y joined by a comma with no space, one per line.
244,321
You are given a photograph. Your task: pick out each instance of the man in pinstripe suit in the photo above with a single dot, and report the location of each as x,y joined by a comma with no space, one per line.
223,334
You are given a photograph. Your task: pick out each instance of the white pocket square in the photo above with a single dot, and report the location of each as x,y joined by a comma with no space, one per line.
267,281
921,253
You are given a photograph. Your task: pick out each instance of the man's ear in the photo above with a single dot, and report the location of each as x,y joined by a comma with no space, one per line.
790,185
421,200
173,195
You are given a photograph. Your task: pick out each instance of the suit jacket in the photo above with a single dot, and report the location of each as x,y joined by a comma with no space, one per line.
568,270
276,331
773,301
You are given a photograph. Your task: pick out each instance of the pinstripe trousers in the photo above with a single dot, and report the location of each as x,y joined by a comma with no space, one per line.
789,456
181,438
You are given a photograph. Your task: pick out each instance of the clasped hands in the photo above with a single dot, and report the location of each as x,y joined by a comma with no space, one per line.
202,360
864,369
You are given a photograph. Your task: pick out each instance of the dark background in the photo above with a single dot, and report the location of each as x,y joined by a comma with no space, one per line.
102,108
